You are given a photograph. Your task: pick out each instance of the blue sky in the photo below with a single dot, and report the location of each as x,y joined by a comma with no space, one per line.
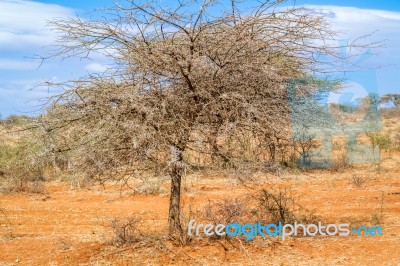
23,34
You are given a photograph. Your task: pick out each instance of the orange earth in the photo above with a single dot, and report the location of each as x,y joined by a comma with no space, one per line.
71,226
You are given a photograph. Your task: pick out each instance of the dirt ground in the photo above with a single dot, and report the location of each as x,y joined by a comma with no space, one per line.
71,226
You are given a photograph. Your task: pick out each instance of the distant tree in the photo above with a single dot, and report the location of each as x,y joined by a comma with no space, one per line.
392,99
187,78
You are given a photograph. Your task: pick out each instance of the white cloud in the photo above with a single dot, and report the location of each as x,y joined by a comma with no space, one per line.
11,64
95,67
22,97
24,33
23,23
345,16
21,41
352,22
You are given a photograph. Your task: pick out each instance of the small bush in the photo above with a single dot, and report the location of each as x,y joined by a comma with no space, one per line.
15,186
339,163
126,231
390,113
225,211
281,206
396,142
15,120
358,180
376,219
380,140
150,187
267,206
21,167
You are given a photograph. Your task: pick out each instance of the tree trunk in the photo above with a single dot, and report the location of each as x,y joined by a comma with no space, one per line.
176,171
272,152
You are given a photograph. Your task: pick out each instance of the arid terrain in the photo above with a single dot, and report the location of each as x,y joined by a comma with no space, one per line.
71,226
70,223
175,129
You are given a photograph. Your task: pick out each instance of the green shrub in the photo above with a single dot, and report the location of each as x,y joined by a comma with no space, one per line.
21,166
380,140
15,120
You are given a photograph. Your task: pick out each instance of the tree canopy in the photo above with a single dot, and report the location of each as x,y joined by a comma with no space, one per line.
190,78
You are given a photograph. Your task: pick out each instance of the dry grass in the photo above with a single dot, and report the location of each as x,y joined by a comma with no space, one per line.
126,230
358,180
6,228
361,195
339,163
69,214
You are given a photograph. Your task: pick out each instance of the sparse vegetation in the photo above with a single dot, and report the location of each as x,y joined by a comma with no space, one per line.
200,93
188,80
339,163
126,230
150,187
226,211
380,140
393,99
6,229
376,219
15,120
274,206
22,166
358,180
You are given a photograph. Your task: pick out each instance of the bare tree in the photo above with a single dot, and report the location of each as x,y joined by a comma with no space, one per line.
188,78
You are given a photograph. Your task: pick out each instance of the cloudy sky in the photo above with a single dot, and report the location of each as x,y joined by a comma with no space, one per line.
24,34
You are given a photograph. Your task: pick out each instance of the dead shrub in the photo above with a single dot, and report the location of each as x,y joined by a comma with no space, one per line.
339,163
150,187
281,206
37,187
390,113
376,219
14,185
396,142
274,167
78,181
267,206
126,230
358,180
225,211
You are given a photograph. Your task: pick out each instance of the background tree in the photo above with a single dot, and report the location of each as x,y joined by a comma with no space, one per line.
190,77
391,99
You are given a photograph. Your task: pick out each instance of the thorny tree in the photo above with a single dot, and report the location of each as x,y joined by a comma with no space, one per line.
188,77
